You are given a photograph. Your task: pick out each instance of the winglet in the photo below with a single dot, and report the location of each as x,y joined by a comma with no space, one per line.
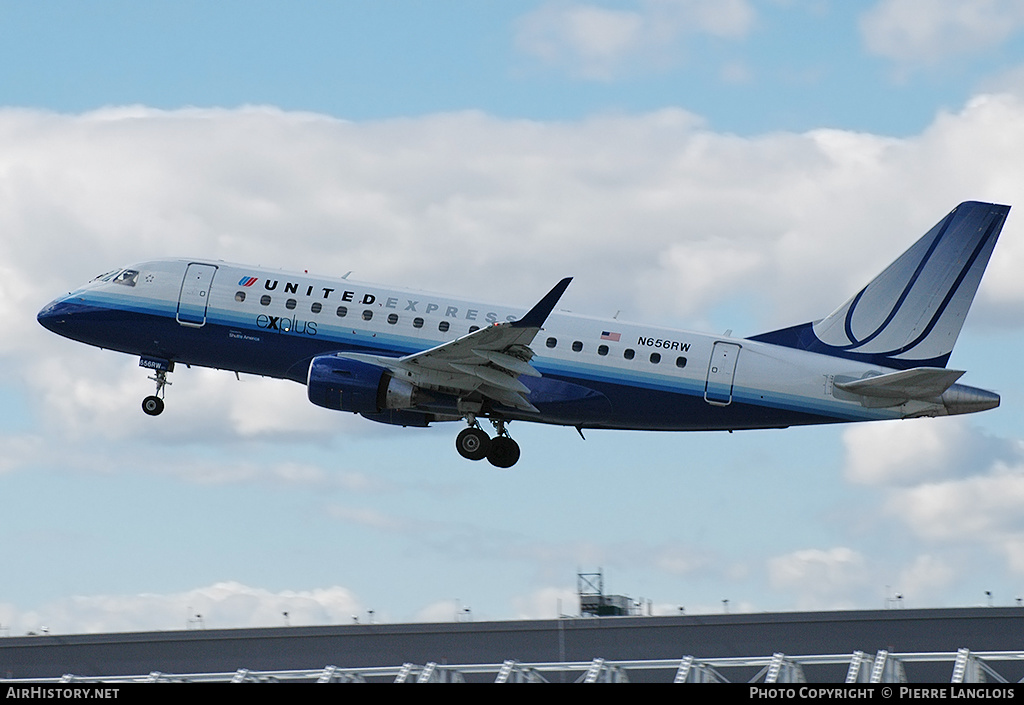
538,314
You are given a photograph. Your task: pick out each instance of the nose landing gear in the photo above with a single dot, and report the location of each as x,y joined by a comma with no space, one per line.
153,405
473,444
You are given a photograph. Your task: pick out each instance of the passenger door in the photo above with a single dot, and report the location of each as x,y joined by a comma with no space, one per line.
195,294
721,371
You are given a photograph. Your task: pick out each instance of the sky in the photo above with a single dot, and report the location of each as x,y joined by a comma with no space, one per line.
704,164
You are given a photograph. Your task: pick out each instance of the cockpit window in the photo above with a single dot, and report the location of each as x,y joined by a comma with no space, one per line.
106,277
128,277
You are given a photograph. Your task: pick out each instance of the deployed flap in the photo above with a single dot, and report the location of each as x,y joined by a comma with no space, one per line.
921,383
487,361
512,364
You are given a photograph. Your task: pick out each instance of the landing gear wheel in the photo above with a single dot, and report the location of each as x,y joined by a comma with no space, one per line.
153,405
473,444
504,452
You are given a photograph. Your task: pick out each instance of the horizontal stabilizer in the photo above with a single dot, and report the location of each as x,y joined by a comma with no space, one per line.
921,383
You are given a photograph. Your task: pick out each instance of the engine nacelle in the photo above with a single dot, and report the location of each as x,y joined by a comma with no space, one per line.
347,385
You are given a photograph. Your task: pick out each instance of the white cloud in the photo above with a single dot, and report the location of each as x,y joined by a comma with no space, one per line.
597,43
445,611
654,214
984,508
20,450
910,452
547,603
982,511
925,580
924,32
834,578
736,72
1008,81
613,198
372,518
948,483
221,606
679,560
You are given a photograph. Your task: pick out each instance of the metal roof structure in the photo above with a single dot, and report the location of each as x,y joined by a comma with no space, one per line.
963,666
879,645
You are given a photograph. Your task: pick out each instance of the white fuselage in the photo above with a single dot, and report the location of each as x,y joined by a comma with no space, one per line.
269,322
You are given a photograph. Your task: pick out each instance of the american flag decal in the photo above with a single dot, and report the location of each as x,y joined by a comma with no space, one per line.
607,335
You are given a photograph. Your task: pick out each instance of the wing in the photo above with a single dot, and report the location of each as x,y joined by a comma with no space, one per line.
488,361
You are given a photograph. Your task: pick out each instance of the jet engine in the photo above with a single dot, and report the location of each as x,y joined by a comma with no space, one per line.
347,385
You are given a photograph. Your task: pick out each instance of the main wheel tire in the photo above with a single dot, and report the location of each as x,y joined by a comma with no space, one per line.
153,405
504,452
473,444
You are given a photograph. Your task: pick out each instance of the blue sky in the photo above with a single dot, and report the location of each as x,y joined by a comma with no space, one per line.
714,165
776,66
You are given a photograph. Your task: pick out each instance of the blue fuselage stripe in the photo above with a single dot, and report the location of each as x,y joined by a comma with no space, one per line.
283,346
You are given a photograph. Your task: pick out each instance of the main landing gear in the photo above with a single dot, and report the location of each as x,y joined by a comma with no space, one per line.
474,444
154,404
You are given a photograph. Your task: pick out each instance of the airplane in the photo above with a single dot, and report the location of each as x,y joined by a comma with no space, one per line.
410,358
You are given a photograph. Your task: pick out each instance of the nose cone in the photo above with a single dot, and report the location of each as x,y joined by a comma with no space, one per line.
59,314
51,316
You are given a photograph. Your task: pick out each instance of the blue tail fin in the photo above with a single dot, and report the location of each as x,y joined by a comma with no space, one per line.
910,315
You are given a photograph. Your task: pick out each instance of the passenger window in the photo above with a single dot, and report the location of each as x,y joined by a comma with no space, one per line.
655,358
392,318
602,350
240,296
577,346
367,314
290,304
317,307
342,311
443,326
629,353
680,362
551,342
265,300
417,322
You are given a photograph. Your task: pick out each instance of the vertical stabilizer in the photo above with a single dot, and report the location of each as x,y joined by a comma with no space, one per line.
911,314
